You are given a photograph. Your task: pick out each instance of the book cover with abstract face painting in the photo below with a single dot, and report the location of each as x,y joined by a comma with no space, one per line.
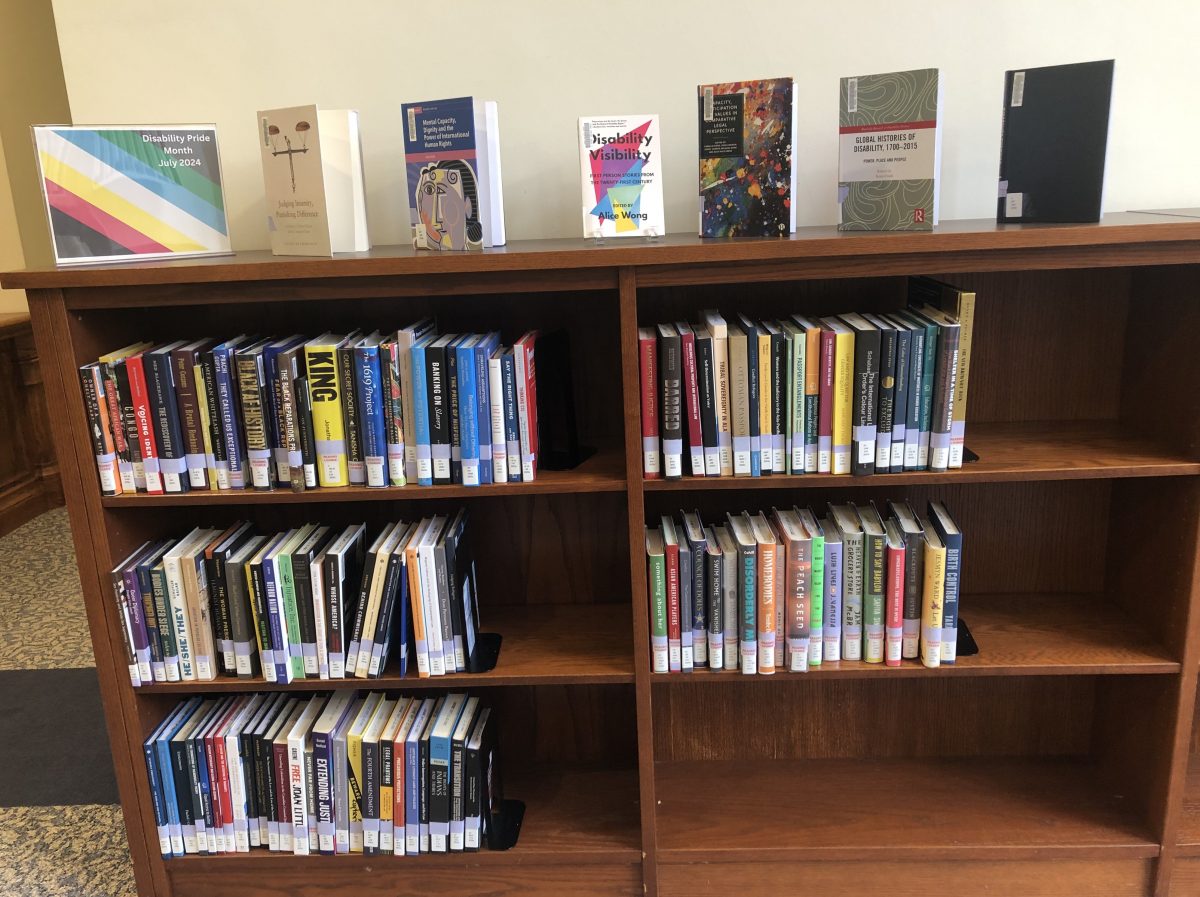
440,155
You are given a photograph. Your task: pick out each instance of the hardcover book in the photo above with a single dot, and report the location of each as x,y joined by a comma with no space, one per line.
452,158
620,168
1053,142
313,174
747,179
889,151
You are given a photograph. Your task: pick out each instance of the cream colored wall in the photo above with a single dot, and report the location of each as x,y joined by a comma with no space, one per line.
548,62
10,243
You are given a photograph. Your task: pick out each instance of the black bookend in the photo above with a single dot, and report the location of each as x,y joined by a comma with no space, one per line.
558,432
969,457
966,642
506,825
487,652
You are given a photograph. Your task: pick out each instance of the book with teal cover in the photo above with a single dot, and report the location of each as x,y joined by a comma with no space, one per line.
889,151
747,179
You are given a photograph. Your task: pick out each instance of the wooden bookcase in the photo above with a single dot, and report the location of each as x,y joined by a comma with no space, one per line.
1060,760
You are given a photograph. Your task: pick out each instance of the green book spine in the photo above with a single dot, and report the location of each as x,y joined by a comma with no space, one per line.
656,566
874,571
291,615
162,613
816,615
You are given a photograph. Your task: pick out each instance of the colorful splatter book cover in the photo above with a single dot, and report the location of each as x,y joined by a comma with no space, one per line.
747,180
452,159
123,192
621,175
890,148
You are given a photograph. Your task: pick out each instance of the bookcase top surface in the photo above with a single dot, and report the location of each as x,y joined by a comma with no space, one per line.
1122,228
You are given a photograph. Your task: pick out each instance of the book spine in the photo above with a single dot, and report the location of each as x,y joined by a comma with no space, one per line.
874,594
835,600
766,400
306,434
351,416
145,590
222,622
495,382
100,429
779,399
385,630
354,630
852,596
483,407
156,796
916,368
256,582
412,799
432,612
795,402
958,430
691,403
674,631
511,427
133,473
439,794
289,424
228,411
199,608
438,401
722,395
301,567
241,623
670,373
468,416
928,379
739,404
322,745
457,802
799,604
753,400
116,423
370,406
932,597
184,797
140,396
422,437
166,623
699,619
817,613
387,843
942,422
900,400
393,412
183,363
277,622
765,614
121,596
179,618
526,379
812,397
687,654
329,430
283,805
216,433
276,424
843,405
648,376
748,595
715,596
705,380
252,389
893,651
656,574
887,396
370,797
453,411
914,583
317,568
732,616
172,460
825,402
949,651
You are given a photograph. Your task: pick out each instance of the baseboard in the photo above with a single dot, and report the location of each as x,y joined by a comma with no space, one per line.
24,499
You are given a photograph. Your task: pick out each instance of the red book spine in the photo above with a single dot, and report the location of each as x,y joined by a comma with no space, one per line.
825,402
226,791
648,367
674,635
216,838
528,373
894,607
283,778
691,401
140,396
398,797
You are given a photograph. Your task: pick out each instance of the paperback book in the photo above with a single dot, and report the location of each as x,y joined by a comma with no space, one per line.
620,170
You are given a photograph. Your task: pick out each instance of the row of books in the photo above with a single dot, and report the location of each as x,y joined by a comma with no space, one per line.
846,394
336,410
793,590
346,773
311,602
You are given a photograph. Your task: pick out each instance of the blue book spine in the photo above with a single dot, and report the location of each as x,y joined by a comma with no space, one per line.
832,632
167,779
368,379
468,415
511,436
483,405
271,413
412,797
421,413
150,751
204,836
282,660
230,425
687,611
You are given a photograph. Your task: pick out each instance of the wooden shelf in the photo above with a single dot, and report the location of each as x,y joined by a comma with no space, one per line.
1018,635
937,808
1189,823
602,472
1008,452
547,644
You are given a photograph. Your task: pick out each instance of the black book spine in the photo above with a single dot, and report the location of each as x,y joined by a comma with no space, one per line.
196,790
266,771
128,417
383,625
162,614
184,796
670,388
423,780
109,480
455,430
302,581
218,590
887,400
439,423
458,752
333,610
370,791
249,770
216,432
350,416
753,387
943,398
444,602
305,433
257,584
865,402
160,383
708,405
463,641
360,611
150,614
779,379
473,799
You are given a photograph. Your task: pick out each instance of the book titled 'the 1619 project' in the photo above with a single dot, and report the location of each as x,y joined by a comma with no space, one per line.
747,176
890,151
452,159
621,176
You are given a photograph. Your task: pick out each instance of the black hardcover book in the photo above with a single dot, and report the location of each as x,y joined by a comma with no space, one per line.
184,796
706,383
460,567
458,770
219,595
779,379
888,342
384,623
900,400
865,400
1053,140
753,388
452,394
256,582
160,383
305,432
350,412
438,390
423,776
670,391
251,391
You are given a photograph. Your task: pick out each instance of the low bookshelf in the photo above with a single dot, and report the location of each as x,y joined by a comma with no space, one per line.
1060,759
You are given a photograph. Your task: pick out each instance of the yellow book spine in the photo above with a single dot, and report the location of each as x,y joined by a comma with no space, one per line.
328,427
765,416
210,464
418,610
843,400
354,783
931,605
958,423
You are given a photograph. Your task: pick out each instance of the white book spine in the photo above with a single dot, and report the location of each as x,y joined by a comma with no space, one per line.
316,576
298,793
179,617
237,788
496,396
433,619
